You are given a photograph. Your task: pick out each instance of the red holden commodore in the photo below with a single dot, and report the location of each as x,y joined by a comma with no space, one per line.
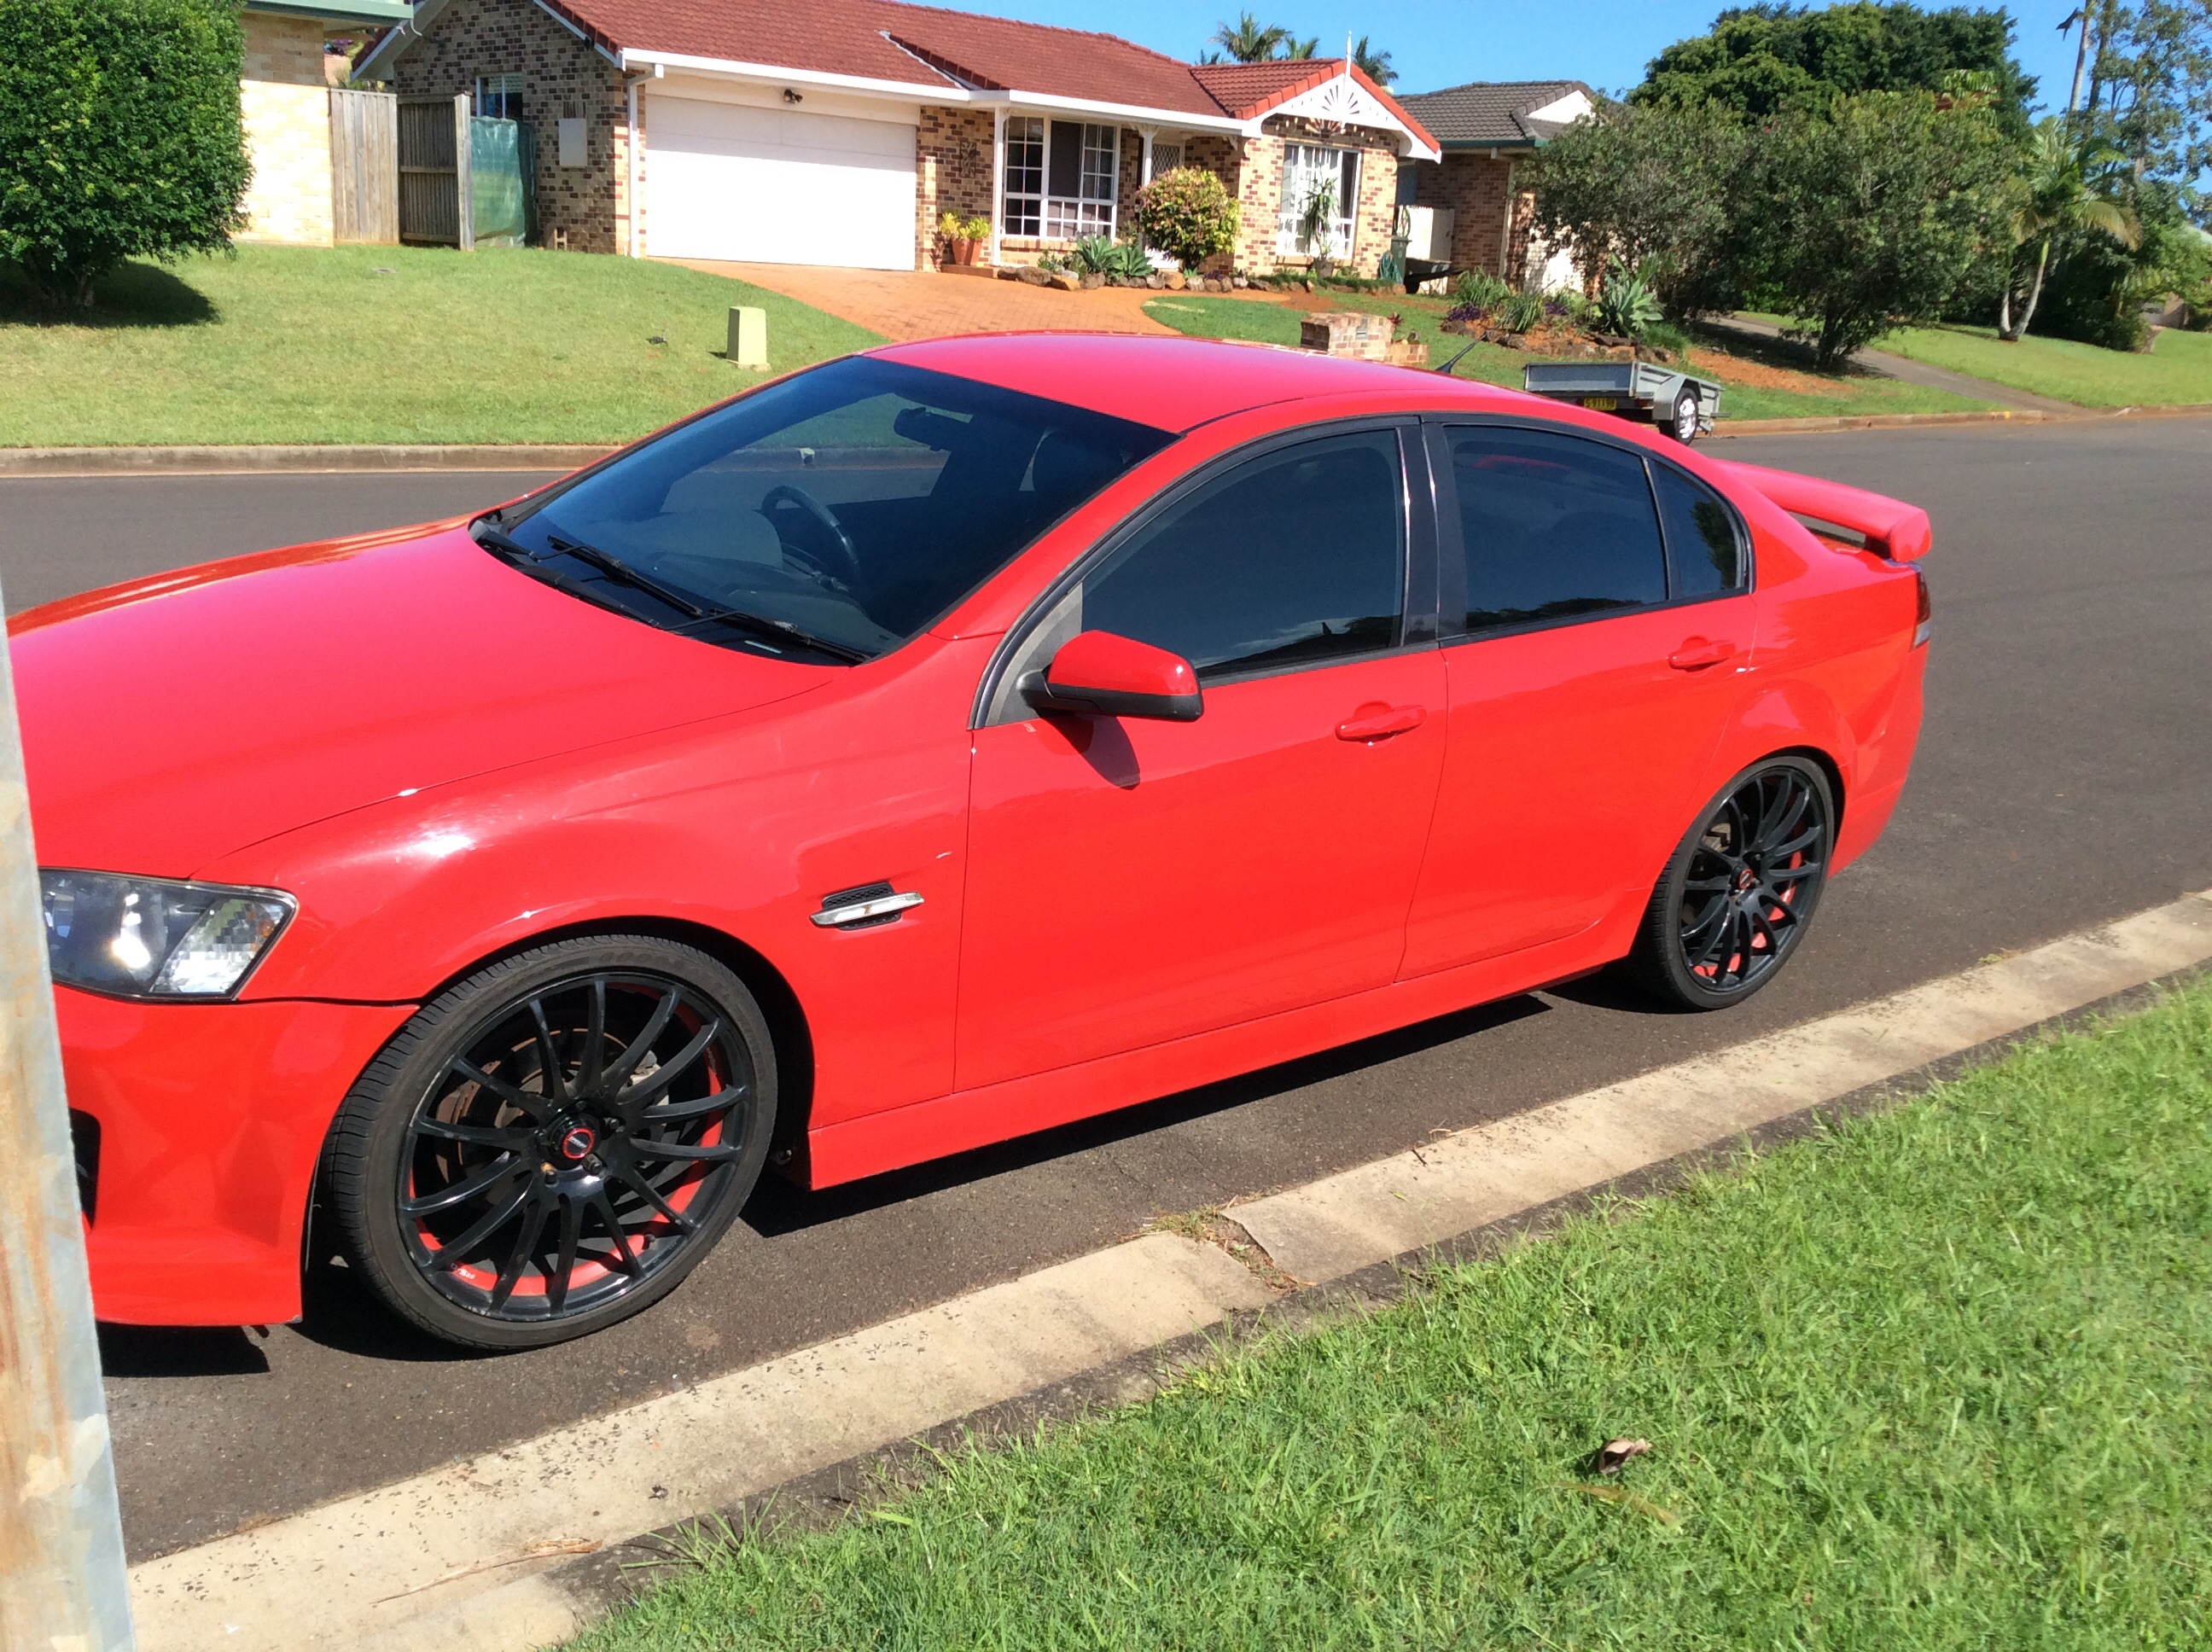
937,744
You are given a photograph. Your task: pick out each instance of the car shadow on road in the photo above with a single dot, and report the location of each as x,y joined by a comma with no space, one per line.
182,1351
779,1207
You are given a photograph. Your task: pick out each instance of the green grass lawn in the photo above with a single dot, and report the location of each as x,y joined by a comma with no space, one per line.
298,344
1850,393
1937,1380
2177,371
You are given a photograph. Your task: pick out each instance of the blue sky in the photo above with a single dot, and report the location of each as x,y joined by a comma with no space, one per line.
1436,43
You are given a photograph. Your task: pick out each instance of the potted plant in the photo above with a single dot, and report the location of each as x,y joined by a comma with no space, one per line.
963,237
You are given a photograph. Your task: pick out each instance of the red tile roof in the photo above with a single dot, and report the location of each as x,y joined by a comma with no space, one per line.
921,45
1000,54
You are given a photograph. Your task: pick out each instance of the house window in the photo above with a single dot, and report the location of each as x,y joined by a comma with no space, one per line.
1307,169
500,96
1061,177
1166,157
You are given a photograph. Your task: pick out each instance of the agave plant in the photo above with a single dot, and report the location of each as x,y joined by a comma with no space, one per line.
1626,306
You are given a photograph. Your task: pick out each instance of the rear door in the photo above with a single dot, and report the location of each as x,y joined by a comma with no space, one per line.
1604,628
1134,881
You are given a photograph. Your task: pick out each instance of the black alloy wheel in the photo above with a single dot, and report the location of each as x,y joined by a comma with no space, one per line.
551,1145
1741,886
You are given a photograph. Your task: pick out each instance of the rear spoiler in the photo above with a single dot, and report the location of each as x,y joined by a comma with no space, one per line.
1889,527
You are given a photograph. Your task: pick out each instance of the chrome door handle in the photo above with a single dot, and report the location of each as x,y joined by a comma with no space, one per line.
870,908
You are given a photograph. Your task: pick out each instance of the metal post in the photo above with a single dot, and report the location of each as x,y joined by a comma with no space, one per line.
63,1586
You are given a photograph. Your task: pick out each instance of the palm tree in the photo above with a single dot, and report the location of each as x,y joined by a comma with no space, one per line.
2067,191
1249,40
1376,65
1301,50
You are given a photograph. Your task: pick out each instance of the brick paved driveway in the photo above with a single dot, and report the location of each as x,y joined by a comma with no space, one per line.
903,304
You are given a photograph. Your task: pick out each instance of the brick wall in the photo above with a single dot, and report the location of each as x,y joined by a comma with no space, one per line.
953,171
1224,158
285,106
561,76
1374,213
1477,190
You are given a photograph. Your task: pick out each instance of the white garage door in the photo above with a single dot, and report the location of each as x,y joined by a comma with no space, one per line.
777,185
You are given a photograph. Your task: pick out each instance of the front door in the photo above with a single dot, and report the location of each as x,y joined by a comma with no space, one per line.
1606,640
1134,881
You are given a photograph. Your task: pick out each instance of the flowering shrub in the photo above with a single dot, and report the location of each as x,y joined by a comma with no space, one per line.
1188,215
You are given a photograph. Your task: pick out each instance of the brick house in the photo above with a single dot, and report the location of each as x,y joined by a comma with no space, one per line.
284,103
1483,128
836,133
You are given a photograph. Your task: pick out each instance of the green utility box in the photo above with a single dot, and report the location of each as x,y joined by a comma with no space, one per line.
748,337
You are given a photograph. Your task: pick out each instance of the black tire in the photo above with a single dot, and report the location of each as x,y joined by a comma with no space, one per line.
615,1186
1739,888
1682,424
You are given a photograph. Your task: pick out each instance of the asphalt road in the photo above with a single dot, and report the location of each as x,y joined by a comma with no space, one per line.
2065,778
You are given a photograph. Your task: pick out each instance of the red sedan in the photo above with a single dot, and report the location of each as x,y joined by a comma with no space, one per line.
935,745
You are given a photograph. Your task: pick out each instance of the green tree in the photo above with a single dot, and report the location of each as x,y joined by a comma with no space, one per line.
1301,50
1376,65
1248,40
1654,189
2070,191
2150,84
119,135
1870,216
1766,59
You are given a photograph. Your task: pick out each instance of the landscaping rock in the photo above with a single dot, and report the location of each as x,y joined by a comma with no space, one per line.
1156,281
1239,281
1176,281
1092,282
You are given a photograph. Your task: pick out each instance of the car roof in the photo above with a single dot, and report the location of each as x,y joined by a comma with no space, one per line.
1174,383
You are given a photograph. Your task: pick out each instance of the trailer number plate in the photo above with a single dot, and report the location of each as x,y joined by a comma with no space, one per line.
1602,403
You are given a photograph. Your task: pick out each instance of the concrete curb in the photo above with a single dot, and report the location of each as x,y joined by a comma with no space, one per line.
29,462
371,1570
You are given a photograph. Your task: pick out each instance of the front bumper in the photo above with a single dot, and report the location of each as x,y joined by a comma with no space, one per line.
198,1128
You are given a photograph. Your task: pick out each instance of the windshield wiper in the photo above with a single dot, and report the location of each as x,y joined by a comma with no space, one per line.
614,569
524,561
782,631
495,539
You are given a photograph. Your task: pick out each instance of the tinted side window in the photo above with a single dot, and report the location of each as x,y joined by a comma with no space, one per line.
1701,538
1293,556
1554,527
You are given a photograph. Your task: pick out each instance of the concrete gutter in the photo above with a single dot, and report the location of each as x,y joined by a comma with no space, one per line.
470,1557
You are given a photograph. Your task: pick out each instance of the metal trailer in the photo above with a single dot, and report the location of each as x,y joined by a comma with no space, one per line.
1681,404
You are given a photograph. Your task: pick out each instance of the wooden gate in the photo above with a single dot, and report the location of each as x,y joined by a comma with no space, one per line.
364,166
433,171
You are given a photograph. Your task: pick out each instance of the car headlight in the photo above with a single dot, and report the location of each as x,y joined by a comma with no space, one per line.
154,937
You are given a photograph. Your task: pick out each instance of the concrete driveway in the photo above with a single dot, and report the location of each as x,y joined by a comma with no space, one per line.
907,304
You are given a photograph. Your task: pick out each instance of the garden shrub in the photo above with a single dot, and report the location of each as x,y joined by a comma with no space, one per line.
1188,215
119,135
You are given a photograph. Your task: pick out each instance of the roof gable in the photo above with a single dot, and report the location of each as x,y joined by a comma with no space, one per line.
1320,88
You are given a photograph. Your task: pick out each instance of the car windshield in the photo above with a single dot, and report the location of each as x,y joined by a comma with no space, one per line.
832,516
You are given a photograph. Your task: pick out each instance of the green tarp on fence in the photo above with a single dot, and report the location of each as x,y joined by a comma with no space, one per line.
502,168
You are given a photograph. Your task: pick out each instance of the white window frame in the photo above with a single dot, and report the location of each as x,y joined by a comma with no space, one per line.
1027,208
1302,164
493,91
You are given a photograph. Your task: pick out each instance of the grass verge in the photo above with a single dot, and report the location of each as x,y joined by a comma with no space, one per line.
2176,371
1757,382
385,345
1935,1378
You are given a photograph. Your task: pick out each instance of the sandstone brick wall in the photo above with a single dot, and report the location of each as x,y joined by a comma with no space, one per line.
954,168
1224,158
561,77
1477,189
285,106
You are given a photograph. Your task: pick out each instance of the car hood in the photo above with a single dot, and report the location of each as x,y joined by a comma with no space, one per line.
173,720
